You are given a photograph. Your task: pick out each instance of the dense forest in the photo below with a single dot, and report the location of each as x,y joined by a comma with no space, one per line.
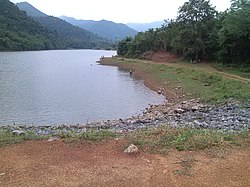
20,32
199,32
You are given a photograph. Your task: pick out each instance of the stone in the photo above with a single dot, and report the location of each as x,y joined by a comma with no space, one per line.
131,149
179,111
18,132
160,92
52,139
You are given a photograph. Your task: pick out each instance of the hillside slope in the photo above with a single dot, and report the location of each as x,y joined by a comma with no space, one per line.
20,32
73,36
103,28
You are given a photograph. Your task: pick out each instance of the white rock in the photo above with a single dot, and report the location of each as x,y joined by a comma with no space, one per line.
51,139
131,149
179,111
18,132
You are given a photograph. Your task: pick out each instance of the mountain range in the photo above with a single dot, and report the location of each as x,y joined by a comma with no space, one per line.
141,27
74,36
103,28
23,27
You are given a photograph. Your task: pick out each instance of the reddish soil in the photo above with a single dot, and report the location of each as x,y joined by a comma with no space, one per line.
42,163
162,57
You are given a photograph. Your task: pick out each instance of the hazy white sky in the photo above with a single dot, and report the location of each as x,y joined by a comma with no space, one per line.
136,11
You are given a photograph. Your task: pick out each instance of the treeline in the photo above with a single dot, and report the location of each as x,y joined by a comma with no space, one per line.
19,32
199,32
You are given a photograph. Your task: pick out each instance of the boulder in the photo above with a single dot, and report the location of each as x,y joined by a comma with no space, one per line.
131,149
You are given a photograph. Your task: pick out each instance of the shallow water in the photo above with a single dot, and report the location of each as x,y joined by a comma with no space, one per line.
67,87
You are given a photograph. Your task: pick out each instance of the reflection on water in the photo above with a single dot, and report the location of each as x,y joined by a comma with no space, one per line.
67,87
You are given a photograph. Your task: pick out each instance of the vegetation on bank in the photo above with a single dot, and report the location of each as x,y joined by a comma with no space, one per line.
164,138
199,32
192,80
158,140
8,137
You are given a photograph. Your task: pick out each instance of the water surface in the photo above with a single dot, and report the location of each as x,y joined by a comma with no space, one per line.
67,87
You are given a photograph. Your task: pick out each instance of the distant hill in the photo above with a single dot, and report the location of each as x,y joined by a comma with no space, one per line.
20,32
141,27
74,37
103,28
30,10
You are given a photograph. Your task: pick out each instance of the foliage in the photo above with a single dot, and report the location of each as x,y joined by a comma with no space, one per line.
19,32
199,32
235,34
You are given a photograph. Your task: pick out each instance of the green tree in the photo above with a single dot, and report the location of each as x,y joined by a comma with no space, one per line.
235,34
197,29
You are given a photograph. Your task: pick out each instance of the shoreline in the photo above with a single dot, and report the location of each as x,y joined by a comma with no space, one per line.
176,111
148,80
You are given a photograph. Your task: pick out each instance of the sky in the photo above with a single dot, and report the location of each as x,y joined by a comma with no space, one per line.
120,11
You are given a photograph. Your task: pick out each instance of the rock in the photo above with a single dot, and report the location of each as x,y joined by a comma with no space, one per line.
131,149
160,92
52,139
148,161
18,132
2,174
179,111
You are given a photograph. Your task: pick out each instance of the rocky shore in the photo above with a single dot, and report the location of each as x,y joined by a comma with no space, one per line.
231,116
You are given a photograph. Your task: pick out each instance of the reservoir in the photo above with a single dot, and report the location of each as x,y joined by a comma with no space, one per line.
67,87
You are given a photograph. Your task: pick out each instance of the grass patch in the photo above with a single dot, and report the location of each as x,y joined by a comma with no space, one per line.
242,71
209,87
8,138
91,135
164,138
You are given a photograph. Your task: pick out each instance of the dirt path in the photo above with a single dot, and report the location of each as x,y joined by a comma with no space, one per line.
42,163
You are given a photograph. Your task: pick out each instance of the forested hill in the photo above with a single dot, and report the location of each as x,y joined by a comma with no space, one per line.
20,32
74,37
199,32
103,28
30,10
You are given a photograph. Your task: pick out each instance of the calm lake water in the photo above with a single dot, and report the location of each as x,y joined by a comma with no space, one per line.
67,87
